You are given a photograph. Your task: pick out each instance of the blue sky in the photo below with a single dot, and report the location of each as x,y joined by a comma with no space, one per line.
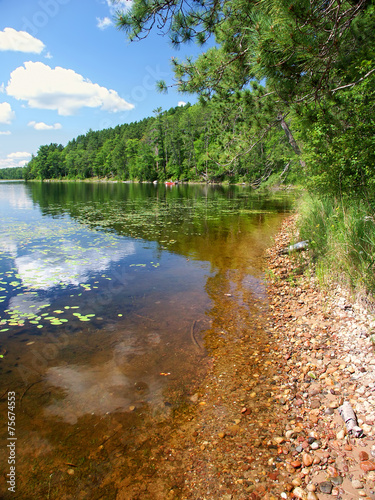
65,68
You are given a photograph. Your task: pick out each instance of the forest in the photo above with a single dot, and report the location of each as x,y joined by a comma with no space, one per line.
184,143
286,95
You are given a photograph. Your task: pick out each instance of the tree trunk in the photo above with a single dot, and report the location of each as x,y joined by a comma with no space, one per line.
291,139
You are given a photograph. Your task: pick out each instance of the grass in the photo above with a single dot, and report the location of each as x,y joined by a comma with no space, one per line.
342,238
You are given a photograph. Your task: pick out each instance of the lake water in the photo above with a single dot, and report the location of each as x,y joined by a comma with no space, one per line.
110,297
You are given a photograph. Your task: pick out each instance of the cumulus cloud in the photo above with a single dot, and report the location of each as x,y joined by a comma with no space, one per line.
61,89
181,103
6,113
103,23
17,159
19,41
19,154
44,126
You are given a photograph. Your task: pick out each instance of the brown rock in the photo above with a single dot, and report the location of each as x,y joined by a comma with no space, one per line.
363,456
273,475
296,464
289,468
367,465
307,459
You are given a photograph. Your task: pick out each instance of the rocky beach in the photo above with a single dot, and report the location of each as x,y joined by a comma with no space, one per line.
265,424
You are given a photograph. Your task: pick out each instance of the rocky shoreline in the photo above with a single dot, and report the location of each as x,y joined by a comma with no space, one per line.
326,356
264,424
268,425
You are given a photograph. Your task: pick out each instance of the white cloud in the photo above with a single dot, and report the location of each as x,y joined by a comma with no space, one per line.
6,113
181,103
44,126
61,89
5,132
19,154
103,23
48,55
115,5
17,159
19,41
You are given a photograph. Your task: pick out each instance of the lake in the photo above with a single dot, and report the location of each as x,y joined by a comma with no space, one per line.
112,296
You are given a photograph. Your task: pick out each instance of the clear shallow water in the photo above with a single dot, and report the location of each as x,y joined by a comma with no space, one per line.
107,294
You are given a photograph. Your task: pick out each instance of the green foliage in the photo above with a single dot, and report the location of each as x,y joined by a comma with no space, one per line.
200,142
340,142
12,173
342,239
318,63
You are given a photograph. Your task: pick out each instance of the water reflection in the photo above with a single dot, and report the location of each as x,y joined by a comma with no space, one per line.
112,299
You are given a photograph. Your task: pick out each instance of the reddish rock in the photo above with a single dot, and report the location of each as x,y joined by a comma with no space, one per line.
273,475
363,456
367,465
296,464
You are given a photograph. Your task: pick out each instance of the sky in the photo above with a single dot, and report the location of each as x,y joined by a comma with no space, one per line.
65,68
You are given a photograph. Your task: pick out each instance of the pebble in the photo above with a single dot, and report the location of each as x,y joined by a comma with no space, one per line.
341,434
326,487
326,358
357,484
300,493
311,496
307,459
363,456
367,465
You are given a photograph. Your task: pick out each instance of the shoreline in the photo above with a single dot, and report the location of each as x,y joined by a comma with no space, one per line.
266,424
327,357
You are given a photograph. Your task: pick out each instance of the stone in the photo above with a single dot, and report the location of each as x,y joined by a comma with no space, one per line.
307,460
300,493
311,496
357,484
278,440
296,464
367,465
341,434
337,480
297,481
326,487
289,468
363,456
